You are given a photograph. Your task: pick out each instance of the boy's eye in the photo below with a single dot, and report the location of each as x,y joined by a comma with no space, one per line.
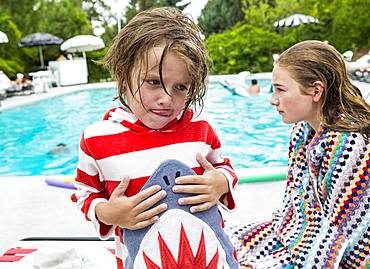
153,82
181,88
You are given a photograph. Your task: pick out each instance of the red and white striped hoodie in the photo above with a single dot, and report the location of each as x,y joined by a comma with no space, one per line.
121,145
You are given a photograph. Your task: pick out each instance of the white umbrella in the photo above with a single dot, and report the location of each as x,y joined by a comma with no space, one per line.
295,20
83,43
3,38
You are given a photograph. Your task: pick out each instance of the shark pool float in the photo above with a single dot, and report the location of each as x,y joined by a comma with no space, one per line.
179,239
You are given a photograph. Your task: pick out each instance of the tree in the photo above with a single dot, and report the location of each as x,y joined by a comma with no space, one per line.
10,54
351,25
219,15
260,13
344,23
63,18
245,39
175,3
20,11
97,10
135,6
244,47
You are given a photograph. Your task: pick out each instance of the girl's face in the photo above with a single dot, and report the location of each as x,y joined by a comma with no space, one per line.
155,109
291,103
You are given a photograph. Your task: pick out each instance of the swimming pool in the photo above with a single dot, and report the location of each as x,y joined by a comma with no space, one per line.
250,130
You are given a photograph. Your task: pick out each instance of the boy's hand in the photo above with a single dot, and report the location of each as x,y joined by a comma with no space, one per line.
133,212
207,188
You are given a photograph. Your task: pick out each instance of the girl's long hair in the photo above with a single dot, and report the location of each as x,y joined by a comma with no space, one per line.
343,107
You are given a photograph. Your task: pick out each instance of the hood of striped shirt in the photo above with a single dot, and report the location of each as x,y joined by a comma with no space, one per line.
129,120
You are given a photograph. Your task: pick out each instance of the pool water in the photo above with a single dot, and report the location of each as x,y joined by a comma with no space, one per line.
250,130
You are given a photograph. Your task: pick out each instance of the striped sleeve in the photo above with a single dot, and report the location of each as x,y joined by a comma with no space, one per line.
90,190
224,166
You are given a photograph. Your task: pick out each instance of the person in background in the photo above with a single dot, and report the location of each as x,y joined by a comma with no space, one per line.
160,64
21,85
64,55
325,218
18,82
58,149
254,89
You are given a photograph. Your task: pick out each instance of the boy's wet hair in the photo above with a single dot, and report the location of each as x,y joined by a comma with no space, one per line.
166,27
343,107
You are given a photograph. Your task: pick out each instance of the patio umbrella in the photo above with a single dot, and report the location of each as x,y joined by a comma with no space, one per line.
82,43
295,20
39,40
3,37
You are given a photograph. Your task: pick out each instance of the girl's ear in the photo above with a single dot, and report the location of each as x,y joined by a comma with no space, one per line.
318,90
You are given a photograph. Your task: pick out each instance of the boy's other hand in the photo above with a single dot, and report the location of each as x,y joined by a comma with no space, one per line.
207,188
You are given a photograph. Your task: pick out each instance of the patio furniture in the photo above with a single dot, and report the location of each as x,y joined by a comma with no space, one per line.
69,72
43,80
5,84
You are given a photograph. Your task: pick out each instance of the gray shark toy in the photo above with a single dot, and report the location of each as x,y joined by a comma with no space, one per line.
179,239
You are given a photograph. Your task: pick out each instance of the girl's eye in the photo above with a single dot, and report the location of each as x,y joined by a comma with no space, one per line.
181,88
279,90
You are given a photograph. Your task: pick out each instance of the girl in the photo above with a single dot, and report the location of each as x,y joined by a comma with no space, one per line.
325,218
160,65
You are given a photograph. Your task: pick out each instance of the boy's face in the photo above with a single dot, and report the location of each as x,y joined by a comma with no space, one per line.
155,109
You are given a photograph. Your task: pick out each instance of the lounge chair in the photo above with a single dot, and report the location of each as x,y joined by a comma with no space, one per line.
43,80
2,95
5,84
21,86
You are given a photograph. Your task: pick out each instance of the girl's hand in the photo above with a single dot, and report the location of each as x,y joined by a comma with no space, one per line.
207,188
133,212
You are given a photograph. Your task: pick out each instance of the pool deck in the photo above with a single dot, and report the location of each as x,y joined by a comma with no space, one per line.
21,100
38,210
